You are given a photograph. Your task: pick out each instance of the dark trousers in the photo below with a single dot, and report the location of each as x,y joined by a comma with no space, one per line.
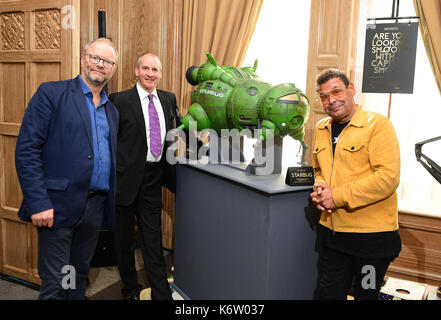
64,254
147,210
338,271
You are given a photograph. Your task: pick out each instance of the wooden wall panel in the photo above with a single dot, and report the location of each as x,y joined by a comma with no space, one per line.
168,217
328,29
33,253
38,42
13,100
12,195
135,42
136,27
42,72
151,26
172,47
14,256
332,44
89,29
420,257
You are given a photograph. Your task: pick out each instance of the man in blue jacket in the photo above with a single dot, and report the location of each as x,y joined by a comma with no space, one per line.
65,160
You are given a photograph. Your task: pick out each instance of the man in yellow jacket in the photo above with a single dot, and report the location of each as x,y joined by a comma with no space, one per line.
356,161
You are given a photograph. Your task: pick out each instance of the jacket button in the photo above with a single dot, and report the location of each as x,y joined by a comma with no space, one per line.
89,157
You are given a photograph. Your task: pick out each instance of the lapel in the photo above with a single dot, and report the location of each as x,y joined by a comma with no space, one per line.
135,106
81,106
112,123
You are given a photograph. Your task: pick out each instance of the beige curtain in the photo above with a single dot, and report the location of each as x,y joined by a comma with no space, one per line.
430,25
221,27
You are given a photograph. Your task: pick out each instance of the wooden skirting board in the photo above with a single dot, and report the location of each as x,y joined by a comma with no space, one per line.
420,256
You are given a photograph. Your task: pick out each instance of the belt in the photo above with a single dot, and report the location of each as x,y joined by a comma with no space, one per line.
151,164
93,193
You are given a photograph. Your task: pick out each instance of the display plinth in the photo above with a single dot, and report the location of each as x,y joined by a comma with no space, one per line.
239,236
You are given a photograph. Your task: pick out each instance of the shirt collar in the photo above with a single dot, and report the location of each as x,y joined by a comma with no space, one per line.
87,91
143,94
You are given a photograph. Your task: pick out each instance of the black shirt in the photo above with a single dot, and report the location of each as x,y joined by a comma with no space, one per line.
336,129
375,245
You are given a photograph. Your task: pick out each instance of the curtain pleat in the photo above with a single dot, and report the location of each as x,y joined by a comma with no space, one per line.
429,12
222,27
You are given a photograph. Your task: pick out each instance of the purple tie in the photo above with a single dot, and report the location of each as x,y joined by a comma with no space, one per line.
155,129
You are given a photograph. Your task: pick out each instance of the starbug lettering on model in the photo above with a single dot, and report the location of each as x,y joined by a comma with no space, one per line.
227,97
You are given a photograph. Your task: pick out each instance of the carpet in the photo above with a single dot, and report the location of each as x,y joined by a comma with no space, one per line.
112,290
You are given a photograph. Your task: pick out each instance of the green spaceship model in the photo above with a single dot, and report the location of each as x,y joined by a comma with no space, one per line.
228,97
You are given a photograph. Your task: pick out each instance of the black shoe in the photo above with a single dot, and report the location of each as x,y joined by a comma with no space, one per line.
132,297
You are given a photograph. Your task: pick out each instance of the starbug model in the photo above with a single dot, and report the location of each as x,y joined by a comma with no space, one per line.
228,97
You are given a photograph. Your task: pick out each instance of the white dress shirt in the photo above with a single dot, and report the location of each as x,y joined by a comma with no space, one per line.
144,97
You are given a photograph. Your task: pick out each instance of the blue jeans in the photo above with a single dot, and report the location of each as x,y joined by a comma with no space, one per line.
71,248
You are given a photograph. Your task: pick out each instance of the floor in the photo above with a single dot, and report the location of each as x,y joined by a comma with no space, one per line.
105,284
13,291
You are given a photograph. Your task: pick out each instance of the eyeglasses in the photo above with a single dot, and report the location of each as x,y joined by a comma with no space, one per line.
96,59
336,94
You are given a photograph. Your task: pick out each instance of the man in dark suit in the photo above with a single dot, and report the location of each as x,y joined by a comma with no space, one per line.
66,163
146,114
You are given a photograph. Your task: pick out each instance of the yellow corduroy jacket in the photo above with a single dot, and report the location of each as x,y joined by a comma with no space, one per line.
364,173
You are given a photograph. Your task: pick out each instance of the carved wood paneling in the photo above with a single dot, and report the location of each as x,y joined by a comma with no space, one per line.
47,29
35,47
12,31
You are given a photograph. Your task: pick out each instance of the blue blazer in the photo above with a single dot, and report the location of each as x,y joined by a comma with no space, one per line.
54,154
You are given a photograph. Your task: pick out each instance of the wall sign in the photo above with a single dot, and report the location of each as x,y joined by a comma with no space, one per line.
389,57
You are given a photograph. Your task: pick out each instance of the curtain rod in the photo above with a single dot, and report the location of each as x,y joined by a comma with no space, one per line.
393,18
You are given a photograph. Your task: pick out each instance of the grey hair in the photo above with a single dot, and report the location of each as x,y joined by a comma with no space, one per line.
148,54
103,40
